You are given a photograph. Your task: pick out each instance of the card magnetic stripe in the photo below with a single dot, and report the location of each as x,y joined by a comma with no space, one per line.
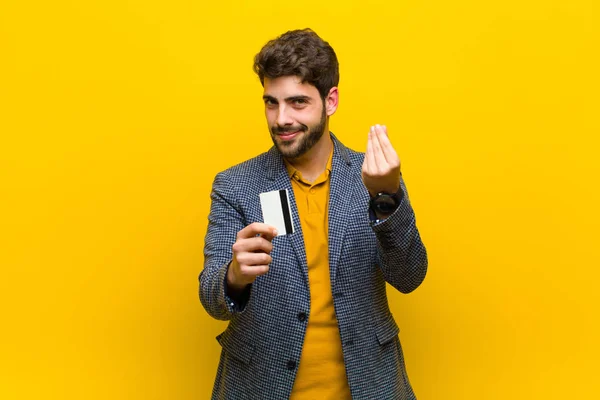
285,208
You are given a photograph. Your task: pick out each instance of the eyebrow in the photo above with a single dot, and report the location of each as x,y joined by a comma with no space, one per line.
288,99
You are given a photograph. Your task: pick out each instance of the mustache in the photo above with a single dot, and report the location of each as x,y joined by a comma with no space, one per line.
278,130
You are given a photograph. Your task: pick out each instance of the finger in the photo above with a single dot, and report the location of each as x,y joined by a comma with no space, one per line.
253,244
380,160
254,270
257,228
388,150
268,236
369,157
259,243
252,259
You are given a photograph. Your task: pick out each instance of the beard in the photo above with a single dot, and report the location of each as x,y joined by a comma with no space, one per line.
305,140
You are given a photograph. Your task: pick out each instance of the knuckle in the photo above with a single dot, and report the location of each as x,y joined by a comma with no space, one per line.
259,244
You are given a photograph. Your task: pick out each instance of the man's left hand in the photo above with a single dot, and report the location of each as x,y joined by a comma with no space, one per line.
381,168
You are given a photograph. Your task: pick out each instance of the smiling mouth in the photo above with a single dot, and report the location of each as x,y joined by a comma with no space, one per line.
288,135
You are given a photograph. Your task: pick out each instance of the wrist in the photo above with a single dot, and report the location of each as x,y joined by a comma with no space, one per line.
383,204
233,286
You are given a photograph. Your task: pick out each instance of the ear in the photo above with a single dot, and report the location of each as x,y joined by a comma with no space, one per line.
331,101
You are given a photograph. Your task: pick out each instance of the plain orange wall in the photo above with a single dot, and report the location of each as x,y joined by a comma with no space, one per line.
116,115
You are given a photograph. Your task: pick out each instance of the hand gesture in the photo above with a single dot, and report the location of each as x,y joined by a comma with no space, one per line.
381,168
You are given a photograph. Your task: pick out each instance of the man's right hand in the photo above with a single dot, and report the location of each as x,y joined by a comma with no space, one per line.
251,255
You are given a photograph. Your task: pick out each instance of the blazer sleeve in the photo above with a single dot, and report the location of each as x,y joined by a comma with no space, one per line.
224,222
402,256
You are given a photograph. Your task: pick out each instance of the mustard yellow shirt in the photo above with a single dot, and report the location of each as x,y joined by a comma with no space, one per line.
321,372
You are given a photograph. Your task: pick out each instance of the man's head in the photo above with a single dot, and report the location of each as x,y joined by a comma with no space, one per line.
300,73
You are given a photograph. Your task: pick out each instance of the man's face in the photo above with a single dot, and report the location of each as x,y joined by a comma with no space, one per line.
295,114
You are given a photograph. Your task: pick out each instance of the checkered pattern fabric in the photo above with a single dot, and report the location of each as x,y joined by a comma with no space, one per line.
263,341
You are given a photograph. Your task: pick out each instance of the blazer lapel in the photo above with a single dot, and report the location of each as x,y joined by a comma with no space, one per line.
341,192
279,179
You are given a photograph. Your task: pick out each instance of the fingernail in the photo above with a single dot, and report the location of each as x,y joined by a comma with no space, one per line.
274,232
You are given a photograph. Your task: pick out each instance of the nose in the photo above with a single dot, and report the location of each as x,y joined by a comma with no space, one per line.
283,116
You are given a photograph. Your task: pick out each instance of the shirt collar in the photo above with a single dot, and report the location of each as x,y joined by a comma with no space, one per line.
291,170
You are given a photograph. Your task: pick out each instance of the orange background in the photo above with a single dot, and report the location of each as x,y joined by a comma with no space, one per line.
116,115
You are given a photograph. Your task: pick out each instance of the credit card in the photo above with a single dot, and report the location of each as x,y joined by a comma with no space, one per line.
277,211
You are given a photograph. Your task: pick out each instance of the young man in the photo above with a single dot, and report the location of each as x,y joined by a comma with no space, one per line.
308,312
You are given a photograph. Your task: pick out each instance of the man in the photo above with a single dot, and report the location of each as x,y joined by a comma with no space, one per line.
308,312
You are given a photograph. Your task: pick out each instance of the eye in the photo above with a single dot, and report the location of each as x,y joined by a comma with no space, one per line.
300,101
270,102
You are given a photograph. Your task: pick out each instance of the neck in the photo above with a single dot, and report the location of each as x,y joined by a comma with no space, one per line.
313,162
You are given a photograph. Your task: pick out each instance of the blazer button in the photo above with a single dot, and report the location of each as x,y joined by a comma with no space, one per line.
291,365
302,316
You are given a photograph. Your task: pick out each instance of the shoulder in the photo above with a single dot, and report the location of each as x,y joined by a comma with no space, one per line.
356,156
246,171
352,157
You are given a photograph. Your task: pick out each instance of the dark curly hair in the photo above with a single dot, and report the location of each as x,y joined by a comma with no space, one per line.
301,53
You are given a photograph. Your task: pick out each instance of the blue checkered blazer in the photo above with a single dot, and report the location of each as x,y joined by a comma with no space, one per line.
262,344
